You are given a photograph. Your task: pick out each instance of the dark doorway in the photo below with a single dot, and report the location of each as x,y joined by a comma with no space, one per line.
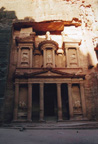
35,102
50,100
65,105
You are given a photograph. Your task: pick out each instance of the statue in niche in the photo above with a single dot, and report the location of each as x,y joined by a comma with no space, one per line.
73,56
76,99
25,58
48,37
22,104
77,104
49,57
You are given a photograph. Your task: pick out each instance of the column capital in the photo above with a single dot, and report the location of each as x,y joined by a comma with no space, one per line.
16,81
81,84
29,80
70,84
29,84
59,84
30,47
41,84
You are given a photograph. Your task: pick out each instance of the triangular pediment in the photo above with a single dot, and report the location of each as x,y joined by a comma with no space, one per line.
52,73
48,73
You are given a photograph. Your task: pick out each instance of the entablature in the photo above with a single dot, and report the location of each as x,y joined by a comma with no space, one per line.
49,72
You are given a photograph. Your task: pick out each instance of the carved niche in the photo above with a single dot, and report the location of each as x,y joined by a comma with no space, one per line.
22,103
71,47
48,49
49,57
77,107
73,59
25,55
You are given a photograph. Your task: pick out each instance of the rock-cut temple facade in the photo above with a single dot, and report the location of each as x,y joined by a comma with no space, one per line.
53,65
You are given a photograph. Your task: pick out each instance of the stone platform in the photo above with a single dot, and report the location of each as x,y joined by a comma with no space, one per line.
51,125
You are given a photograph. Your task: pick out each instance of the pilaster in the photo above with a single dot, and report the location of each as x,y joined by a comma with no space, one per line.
70,100
59,101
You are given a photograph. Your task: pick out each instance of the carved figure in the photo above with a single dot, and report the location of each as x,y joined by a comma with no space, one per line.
77,104
48,37
49,57
25,57
73,56
22,104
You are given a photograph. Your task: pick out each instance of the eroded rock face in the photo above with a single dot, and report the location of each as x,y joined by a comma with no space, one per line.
40,10
76,18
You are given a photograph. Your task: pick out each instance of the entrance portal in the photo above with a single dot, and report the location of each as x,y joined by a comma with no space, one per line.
50,100
35,102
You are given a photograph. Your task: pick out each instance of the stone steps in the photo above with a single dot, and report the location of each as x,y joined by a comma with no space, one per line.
51,125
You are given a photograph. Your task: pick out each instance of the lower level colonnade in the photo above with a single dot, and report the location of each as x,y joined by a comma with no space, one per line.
41,101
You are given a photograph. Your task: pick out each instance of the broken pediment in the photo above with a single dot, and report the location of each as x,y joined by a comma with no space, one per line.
71,40
25,38
49,73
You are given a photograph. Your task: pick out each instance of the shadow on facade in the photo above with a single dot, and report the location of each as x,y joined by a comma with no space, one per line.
6,19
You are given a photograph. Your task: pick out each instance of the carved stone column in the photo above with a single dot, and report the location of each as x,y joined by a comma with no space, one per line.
16,101
53,58
19,57
59,100
70,100
78,57
83,100
29,114
31,54
67,57
41,102
44,58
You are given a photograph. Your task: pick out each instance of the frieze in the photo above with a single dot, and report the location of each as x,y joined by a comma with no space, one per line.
45,73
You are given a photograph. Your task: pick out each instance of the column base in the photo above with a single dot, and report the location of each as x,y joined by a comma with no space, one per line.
14,121
78,119
19,121
85,119
60,120
29,120
41,120
72,119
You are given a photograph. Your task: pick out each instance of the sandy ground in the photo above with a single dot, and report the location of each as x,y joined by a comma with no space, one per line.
15,136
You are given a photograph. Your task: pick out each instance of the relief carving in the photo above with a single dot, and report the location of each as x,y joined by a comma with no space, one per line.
73,57
22,104
48,37
49,58
37,61
25,57
76,99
